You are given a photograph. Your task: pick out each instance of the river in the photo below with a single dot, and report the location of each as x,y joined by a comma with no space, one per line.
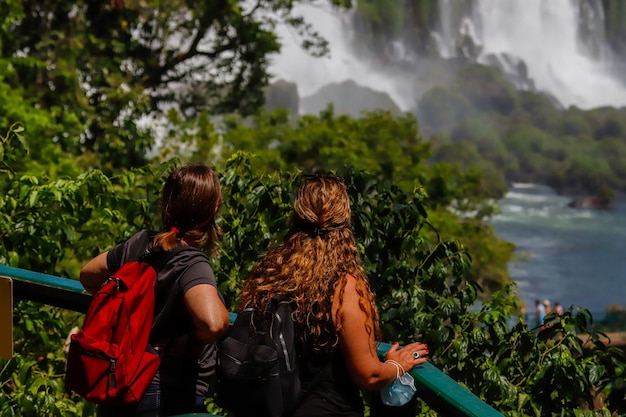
573,256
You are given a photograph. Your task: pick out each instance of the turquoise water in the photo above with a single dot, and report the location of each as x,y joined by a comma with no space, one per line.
574,256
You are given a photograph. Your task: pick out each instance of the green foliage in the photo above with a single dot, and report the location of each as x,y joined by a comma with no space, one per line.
586,168
31,383
43,219
442,108
420,279
253,216
550,373
377,142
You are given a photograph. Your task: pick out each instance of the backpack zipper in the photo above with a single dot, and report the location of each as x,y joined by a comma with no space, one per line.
112,381
112,364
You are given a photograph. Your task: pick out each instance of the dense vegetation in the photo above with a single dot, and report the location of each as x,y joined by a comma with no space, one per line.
98,107
482,121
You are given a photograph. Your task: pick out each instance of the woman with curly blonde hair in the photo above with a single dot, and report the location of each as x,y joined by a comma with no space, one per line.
317,268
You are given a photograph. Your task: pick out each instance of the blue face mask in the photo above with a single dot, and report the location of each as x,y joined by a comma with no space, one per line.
399,392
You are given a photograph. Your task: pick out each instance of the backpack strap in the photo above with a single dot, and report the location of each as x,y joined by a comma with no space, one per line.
158,260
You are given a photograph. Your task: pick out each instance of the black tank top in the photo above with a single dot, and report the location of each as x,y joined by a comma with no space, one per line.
331,391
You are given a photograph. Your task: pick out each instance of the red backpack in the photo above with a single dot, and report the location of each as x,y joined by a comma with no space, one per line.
110,361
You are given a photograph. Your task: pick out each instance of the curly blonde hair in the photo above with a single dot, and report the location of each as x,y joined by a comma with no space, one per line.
312,263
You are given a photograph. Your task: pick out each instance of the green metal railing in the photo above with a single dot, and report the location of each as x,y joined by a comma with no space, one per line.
439,391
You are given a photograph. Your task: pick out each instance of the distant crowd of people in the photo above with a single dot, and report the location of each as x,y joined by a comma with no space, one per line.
542,309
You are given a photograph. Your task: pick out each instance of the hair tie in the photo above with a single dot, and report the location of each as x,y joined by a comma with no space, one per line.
319,231
174,230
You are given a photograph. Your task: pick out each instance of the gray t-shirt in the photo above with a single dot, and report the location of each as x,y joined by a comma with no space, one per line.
179,367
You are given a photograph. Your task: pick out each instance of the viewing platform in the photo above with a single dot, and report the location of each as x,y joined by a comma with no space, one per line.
435,388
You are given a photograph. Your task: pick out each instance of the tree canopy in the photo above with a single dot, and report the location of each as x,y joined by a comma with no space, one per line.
100,68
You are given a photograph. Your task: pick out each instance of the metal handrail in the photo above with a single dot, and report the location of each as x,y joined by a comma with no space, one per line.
438,390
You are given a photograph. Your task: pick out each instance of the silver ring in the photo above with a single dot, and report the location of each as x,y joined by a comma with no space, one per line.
416,355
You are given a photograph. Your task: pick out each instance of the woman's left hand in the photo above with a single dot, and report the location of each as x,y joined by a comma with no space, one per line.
408,356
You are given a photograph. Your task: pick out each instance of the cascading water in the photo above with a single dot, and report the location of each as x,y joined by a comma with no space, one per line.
541,36
545,35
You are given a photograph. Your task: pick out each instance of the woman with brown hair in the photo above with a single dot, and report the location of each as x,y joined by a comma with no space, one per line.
317,267
191,312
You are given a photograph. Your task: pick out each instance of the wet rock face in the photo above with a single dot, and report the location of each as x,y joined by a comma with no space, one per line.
282,94
595,202
349,98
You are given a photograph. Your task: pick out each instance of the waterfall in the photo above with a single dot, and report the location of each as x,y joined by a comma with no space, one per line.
545,35
555,46
454,25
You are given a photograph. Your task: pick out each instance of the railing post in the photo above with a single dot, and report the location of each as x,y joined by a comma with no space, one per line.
6,317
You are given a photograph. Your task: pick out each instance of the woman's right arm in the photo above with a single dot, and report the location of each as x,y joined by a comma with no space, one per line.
358,346
208,313
94,273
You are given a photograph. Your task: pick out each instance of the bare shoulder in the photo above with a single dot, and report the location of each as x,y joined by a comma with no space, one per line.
351,286
355,284
348,297
351,281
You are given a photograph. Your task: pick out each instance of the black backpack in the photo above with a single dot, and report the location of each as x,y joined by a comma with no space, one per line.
257,367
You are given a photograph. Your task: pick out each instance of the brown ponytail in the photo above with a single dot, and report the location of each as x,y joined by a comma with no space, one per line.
191,196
